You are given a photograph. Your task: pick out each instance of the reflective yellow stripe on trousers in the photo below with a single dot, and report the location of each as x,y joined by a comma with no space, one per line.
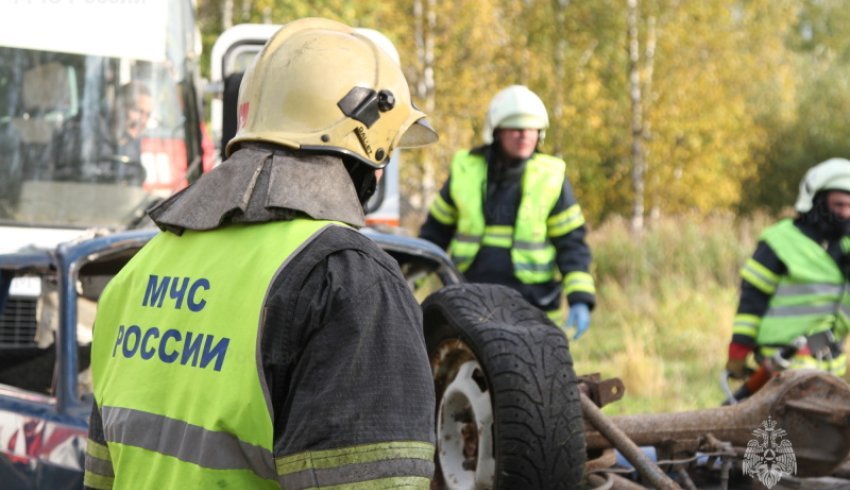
401,464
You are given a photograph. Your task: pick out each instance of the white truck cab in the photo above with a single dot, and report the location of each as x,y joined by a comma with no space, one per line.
99,115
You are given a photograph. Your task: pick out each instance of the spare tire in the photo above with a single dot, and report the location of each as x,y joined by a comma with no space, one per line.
508,408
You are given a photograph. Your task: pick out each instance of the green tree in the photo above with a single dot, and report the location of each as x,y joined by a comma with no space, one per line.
738,97
816,124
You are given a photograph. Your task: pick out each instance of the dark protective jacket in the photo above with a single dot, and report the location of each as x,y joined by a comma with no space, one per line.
341,350
493,264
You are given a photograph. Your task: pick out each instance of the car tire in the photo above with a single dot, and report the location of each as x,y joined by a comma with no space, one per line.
508,408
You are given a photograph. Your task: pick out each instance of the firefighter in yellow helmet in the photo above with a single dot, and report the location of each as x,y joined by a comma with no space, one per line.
260,341
794,309
508,214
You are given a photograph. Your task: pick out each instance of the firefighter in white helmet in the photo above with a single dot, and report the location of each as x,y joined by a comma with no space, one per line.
794,305
508,214
246,344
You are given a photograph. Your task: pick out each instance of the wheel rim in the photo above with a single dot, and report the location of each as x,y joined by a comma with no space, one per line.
464,431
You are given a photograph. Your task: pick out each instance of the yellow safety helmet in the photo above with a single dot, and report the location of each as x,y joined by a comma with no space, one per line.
515,107
319,85
381,40
829,175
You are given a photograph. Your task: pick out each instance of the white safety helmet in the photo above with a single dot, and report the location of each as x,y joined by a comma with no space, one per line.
831,175
515,107
319,85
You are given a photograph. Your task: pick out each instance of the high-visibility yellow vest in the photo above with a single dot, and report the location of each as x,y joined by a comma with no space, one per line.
811,298
532,253
176,360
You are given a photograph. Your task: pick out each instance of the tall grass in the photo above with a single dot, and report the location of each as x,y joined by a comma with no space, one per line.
666,300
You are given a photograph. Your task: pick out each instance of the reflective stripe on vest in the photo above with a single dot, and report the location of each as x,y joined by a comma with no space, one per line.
217,450
760,276
533,255
176,359
812,297
442,211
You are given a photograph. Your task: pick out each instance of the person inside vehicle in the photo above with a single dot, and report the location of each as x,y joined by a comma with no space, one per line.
508,214
793,308
110,149
259,340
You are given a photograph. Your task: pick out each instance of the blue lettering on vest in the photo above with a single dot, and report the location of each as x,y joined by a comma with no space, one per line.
170,344
169,334
118,339
155,292
191,349
177,292
197,305
157,289
147,353
216,352
135,332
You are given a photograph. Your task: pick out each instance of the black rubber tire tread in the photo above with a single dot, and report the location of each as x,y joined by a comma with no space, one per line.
538,427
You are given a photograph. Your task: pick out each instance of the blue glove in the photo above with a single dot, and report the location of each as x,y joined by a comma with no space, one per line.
579,318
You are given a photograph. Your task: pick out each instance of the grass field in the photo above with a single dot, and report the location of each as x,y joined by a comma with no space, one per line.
666,300
665,304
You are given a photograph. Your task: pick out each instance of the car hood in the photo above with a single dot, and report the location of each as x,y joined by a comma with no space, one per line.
23,239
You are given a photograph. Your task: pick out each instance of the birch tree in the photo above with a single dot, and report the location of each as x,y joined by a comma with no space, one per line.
638,162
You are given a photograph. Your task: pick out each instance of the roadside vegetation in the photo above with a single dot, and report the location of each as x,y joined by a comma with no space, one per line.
702,110
737,98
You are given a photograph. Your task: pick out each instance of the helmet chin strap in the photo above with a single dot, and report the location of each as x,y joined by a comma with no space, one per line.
832,226
838,227
363,177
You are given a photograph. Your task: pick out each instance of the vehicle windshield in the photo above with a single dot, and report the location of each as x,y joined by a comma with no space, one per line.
90,138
